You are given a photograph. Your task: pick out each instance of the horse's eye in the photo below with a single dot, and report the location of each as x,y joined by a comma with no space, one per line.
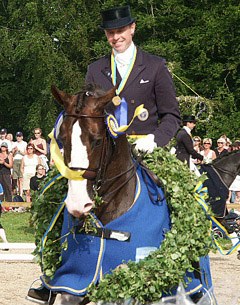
96,143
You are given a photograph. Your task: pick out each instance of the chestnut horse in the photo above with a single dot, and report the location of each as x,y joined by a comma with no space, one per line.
134,213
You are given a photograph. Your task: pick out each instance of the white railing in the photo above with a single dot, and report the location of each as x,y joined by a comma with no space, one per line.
8,256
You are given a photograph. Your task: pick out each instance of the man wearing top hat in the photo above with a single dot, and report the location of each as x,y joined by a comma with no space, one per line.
143,78
184,147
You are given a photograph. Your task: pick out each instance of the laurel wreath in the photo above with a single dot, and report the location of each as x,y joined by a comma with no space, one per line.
200,107
145,281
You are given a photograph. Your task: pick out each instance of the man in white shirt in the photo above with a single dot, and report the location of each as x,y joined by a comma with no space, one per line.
18,150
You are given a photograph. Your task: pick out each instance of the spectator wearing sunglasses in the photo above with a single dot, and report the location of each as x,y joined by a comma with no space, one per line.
208,154
197,145
220,150
40,146
39,176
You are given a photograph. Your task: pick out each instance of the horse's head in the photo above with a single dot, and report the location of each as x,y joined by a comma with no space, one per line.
82,134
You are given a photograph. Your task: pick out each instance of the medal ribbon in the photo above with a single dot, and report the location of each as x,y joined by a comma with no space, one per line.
113,127
129,70
121,112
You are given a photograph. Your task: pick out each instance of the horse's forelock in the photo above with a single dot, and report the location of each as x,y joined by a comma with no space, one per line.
90,90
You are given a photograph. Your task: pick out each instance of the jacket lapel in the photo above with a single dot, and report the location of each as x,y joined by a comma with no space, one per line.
106,70
137,68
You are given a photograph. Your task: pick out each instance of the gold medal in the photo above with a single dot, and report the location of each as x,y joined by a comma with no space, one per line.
116,100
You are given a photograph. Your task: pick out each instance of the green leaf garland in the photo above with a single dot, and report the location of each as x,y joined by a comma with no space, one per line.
188,239
145,281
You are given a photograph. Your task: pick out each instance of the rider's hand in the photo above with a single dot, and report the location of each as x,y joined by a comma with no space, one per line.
146,144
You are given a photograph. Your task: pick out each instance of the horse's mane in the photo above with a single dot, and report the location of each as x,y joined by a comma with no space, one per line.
90,89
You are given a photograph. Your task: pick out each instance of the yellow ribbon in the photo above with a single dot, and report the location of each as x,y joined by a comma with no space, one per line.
59,162
114,71
112,123
200,195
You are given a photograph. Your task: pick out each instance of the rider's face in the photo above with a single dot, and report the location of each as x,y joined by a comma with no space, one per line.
120,39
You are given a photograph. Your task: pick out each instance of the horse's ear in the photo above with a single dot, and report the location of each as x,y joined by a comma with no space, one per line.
107,97
60,96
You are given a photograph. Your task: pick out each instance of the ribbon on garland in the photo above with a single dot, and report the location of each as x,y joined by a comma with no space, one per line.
200,195
114,129
57,213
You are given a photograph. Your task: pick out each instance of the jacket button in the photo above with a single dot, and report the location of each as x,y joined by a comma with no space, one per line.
132,101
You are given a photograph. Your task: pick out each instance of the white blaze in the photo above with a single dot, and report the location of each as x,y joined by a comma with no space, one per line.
78,201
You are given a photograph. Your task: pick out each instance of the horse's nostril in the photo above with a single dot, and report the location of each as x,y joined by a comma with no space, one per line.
88,207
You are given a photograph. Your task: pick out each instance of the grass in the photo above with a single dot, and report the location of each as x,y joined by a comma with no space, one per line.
18,229
17,226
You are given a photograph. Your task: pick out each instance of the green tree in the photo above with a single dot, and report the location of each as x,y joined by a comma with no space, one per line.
46,42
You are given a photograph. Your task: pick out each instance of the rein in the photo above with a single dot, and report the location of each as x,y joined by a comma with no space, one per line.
85,116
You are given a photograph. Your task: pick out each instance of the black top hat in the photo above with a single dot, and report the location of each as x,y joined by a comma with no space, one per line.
189,118
117,17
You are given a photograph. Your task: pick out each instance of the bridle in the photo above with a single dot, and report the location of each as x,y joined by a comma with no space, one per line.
98,174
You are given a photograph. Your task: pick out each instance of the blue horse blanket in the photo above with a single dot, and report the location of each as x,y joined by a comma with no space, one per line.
88,258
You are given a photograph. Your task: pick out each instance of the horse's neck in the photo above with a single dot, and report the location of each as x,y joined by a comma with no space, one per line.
227,178
118,188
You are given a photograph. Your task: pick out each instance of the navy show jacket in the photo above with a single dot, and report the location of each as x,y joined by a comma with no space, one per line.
149,83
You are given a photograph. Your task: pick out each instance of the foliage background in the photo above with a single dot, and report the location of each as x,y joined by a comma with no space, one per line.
45,42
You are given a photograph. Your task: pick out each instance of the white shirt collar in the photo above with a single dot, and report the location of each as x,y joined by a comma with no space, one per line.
125,57
188,130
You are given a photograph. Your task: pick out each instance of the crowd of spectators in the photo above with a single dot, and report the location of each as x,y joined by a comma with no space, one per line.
224,146
21,162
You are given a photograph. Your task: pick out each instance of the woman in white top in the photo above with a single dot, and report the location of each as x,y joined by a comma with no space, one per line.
208,154
28,168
